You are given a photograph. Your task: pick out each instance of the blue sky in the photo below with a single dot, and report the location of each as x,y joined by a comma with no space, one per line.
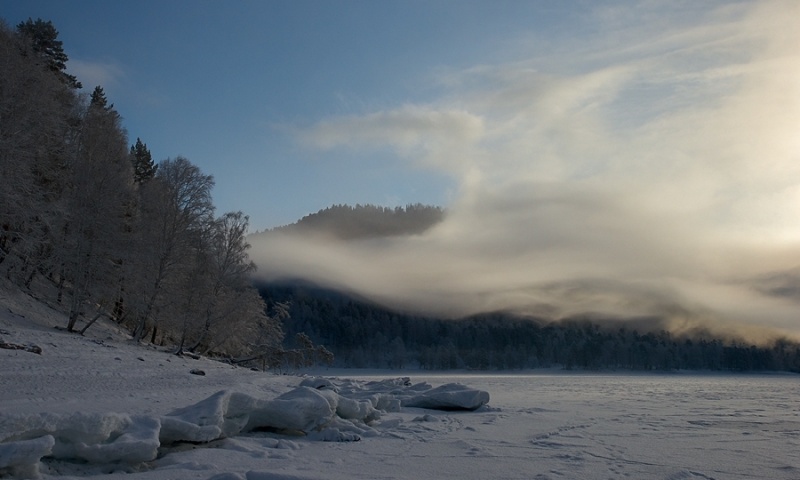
623,158
227,83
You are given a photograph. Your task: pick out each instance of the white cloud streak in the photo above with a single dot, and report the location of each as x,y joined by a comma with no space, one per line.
92,73
659,177
403,128
421,132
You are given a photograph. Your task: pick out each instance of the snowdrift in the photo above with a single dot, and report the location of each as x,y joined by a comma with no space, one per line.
320,408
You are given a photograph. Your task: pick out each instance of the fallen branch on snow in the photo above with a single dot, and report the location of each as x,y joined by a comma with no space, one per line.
28,348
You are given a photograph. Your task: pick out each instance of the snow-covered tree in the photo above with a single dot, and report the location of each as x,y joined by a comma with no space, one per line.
37,125
176,210
100,229
225,279
97,192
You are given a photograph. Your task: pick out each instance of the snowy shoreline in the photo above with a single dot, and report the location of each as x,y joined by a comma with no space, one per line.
319,409
104,401
534,372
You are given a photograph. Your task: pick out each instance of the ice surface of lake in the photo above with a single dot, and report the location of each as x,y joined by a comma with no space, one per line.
665,426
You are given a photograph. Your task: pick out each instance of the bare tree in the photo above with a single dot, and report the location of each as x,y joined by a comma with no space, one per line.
218,301
35,127
176,209
102,227
98,189
228,270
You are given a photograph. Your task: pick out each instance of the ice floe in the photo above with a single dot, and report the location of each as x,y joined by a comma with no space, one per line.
319,408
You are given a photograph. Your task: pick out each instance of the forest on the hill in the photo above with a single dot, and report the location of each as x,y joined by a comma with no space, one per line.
364,335
346,222
93,226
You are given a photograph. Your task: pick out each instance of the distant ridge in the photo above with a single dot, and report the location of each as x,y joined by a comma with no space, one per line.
347,222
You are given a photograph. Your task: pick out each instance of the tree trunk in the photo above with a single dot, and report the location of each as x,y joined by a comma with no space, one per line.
89,324
139,331
60,289
73,319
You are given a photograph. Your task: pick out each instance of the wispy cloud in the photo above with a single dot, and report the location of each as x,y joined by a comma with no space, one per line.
94,73
424,133
405,127
655,172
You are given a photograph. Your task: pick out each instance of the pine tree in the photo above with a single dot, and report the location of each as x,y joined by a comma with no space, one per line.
143,167
44,41
98,100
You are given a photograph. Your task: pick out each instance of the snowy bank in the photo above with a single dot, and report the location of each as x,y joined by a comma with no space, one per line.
322,409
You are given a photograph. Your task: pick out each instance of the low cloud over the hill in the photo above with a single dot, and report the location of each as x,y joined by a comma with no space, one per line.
655,172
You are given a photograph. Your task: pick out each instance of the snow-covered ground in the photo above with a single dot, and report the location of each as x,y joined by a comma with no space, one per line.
102,406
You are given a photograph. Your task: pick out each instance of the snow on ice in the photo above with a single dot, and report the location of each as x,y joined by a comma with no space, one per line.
318,407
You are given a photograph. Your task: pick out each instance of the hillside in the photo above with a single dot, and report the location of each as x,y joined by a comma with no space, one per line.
365,334
105,406
334,307
346,222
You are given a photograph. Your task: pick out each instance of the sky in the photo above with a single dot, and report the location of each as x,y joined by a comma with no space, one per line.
628,158
232,86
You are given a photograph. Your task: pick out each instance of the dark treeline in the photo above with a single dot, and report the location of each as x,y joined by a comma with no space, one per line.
361,335
346,222
92,225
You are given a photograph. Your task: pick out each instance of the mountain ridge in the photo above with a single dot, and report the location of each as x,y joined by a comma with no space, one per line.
345,222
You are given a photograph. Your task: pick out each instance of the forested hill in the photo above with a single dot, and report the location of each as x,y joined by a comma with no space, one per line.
365,221
364,335
93,226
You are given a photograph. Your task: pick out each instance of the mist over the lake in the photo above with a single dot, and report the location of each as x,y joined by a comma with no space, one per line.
647,174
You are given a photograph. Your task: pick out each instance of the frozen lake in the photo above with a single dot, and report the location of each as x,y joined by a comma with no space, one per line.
666,426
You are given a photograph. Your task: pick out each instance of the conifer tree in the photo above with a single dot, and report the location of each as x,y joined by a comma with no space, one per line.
98,100
44,41
143,166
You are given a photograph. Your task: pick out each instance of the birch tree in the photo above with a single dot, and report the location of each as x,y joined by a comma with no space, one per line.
176,208
36,127
97,193
225,283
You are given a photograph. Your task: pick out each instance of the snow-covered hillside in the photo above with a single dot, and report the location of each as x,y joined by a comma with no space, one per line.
102,404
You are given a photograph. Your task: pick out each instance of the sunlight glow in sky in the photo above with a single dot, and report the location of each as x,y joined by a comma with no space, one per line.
616,158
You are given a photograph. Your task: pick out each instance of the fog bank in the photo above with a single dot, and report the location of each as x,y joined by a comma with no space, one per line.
652,171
